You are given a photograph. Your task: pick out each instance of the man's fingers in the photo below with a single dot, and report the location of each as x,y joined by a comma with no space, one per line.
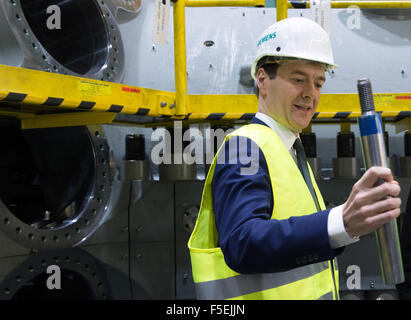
371,195
369,206
372,175
380,207
379,220
385,189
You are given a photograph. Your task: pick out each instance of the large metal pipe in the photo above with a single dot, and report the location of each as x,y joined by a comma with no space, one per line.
374,153
87,43
55,186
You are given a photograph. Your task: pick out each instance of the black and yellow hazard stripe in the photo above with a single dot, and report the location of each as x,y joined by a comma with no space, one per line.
393,116
335,107
16,100
37,93
53,92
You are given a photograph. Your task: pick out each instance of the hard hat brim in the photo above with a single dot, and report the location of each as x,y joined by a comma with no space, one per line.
280,58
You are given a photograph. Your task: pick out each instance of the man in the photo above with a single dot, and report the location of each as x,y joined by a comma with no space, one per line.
268,235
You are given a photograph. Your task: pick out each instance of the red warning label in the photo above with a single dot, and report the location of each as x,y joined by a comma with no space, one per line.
403,97
129,89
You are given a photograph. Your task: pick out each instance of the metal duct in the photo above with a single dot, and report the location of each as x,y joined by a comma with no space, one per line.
55,185
88,44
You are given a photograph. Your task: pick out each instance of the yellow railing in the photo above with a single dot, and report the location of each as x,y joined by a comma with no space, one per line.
180,41
224,3
35,96
283,5
246,104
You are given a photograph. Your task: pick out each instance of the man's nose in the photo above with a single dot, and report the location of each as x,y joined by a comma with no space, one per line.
309,91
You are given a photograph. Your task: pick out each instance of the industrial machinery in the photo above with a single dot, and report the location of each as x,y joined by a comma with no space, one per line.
88,44
83,112
59,186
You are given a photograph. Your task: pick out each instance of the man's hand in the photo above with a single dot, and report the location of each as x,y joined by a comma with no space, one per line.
368,207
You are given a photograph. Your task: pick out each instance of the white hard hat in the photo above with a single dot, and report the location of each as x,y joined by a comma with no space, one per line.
295,38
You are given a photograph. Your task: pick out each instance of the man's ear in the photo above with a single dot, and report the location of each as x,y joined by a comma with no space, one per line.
261,78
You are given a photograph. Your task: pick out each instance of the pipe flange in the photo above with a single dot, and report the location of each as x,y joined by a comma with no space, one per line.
70,261
89,43
92,214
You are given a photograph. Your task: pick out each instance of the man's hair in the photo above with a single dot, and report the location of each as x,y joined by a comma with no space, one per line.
270,69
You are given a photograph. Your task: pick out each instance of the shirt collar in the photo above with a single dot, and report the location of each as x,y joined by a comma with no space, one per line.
286,135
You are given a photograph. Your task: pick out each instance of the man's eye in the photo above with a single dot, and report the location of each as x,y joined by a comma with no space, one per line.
319,85
298,80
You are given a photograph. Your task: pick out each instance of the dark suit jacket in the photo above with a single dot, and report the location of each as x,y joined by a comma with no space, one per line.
250,240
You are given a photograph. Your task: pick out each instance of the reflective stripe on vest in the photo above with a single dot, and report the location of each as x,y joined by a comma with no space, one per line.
215,280
243,284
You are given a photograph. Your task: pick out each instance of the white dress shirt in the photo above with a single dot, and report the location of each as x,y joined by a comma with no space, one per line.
336,230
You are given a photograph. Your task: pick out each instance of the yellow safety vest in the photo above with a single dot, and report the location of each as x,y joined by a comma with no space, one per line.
213,279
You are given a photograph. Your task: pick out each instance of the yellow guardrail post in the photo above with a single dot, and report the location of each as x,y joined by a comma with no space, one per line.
281,9
180,66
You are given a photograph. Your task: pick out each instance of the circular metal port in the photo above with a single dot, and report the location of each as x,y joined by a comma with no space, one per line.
76,37
82,46
75,273
54,185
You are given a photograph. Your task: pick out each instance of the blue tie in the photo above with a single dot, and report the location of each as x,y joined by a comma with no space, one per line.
302,165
